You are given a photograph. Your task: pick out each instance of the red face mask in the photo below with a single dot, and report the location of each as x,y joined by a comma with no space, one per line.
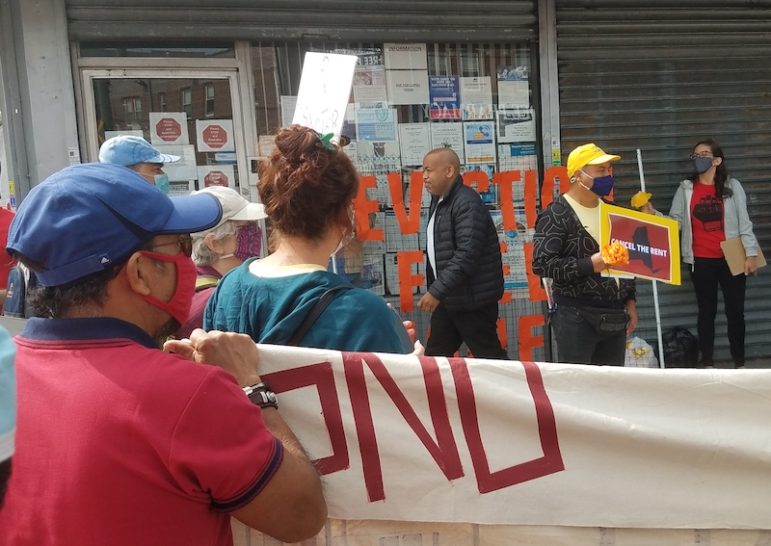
179,304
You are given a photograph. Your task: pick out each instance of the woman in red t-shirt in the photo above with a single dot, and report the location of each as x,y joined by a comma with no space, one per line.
712,207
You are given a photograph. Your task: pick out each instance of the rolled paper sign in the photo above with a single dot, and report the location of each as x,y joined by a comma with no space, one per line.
640,198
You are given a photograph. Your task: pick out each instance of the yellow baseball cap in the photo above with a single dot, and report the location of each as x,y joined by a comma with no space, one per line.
588,154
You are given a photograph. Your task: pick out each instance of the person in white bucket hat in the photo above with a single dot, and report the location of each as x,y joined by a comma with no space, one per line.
235,239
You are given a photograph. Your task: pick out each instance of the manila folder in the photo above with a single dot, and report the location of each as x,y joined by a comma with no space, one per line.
733,250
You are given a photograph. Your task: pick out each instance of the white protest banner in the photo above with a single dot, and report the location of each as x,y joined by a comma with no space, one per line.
458,440
409,533
325,87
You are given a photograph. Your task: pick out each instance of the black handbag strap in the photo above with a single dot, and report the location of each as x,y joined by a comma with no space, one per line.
315,312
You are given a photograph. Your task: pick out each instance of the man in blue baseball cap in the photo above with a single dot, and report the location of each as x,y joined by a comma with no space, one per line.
118,442
136,153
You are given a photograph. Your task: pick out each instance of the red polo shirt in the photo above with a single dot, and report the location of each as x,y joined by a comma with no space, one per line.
120,443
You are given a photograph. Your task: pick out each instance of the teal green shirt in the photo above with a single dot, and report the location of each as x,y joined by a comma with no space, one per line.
271,309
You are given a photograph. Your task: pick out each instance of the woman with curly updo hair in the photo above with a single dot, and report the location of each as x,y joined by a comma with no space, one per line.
307,186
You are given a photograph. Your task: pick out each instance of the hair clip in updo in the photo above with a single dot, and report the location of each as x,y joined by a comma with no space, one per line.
326,140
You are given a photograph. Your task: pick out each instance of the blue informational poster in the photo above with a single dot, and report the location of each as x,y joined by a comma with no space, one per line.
376,124
480,141
444,93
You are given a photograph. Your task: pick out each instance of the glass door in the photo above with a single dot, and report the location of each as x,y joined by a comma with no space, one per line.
192,114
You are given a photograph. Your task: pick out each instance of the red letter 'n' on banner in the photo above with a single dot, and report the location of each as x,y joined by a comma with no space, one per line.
444,450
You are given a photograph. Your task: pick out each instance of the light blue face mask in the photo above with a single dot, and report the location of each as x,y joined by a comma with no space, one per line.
162,182
7,395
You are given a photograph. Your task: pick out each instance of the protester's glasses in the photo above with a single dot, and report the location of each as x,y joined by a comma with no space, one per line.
183,242
696,156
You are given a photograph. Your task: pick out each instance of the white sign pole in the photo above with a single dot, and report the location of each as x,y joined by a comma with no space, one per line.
655,284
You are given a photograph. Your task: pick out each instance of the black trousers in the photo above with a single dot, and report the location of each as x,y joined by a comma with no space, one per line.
477,328
579,343
707,274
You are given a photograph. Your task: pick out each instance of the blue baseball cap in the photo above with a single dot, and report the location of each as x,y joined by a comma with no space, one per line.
129,150
85,218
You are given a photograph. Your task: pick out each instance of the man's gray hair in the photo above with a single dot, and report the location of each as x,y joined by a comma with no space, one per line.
202,255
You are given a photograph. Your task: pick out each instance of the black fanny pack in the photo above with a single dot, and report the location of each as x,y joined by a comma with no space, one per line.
604,320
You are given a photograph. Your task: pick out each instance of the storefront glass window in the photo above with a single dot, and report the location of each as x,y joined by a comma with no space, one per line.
478,99
193,126
208,92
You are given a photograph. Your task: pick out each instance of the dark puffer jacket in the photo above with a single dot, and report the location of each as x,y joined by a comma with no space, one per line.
468,255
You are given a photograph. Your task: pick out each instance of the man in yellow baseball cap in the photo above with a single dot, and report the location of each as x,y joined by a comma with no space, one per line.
592,314
588,154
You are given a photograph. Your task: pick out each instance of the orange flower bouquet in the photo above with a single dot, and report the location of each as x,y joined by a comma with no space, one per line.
615,254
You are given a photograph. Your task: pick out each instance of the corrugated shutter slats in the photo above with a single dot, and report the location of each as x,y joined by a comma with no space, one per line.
366,20
661,76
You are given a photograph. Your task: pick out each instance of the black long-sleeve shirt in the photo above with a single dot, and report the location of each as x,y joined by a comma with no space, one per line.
562,250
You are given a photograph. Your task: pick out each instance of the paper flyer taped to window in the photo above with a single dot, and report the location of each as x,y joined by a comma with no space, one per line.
405,56
516,125
266,144
489,197
449,135
476,95
168,128
215,135
407,87
376,124
479,141
415,142
184,169
517,157
513,87
369,85
216,175
378,157
444,94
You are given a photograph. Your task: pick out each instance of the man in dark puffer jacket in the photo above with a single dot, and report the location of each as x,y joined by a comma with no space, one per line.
464,270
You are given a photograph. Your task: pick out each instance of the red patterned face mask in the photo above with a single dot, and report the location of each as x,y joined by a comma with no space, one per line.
248,242
179,304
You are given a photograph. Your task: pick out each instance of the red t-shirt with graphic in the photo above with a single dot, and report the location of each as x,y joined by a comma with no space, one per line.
707,221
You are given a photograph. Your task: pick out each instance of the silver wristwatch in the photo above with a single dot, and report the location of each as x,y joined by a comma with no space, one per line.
261,395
